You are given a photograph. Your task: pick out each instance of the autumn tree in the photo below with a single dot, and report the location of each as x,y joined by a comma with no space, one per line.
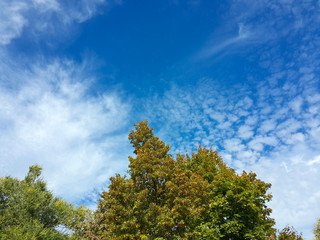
29,211
190,197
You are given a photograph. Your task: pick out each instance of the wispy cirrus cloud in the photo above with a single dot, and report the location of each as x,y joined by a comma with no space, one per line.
249,24
45,16
228,44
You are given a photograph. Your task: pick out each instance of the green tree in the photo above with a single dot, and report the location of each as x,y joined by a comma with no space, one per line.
29,211
316,230
237,202
190,197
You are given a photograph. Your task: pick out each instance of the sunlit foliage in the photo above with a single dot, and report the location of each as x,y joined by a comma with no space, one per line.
191,197
29,211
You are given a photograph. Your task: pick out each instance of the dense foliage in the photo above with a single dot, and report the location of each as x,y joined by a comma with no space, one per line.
29,211
316,230
190,197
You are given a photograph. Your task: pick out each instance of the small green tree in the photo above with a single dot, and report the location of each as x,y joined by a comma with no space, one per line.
190,197
29,211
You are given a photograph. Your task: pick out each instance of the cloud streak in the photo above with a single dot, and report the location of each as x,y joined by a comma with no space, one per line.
217,47
249,24
39,17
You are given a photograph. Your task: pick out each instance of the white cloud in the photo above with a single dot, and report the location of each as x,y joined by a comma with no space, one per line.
245,132
51,119
46,5
219,117
315,98
267,126
258,142
11,20
287,127
295,187
246,103
233,145
251,120
224,125
256,145
247,156
314,161
45,16
295,138
296,104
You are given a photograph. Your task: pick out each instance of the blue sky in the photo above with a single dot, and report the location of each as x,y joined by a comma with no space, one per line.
241,76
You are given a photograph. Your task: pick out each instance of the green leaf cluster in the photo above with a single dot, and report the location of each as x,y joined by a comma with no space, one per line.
29,211
237,202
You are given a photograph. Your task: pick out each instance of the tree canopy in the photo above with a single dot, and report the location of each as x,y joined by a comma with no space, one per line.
190,197
193,196
29,211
